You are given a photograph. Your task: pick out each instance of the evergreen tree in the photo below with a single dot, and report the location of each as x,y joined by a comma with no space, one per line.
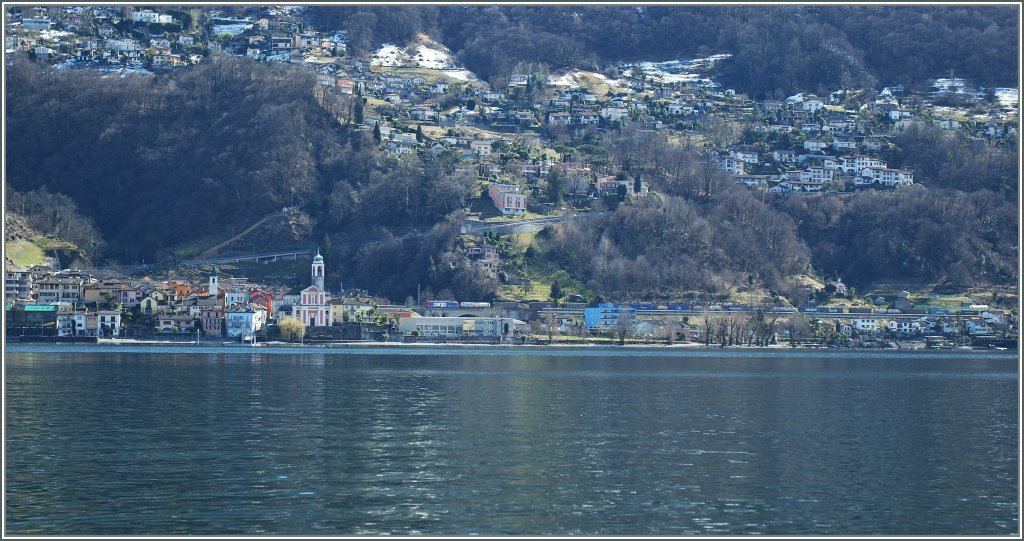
325,244
376,133
556,291
556,185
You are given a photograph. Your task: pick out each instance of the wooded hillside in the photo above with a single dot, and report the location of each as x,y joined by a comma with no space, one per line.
777,50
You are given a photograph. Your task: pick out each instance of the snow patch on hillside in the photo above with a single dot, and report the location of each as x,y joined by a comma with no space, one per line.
390,56
1007,97
422,56
675,71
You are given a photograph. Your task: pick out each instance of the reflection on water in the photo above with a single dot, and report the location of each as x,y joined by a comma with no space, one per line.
216,443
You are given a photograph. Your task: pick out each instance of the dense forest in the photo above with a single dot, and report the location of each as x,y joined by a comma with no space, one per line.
777,51
155,160
130,167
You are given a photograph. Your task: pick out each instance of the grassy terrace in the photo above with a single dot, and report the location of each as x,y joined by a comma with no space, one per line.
485,211
24,253
37,250
430,75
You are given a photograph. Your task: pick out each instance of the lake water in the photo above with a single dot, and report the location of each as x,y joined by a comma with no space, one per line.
221,441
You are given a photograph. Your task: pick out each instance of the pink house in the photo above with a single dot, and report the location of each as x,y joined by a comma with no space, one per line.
507,198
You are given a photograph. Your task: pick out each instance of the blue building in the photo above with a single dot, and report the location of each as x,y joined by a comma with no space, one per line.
608,316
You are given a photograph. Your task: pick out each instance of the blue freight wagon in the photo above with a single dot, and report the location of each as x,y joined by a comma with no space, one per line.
441,304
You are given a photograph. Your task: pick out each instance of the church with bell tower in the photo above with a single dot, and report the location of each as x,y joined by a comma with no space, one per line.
314,307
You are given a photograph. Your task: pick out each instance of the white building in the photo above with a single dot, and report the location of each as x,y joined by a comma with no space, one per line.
147,16
36,25
812,104
815,145
104,323
108,323
121,45
71,324
731,165
245,319
17,284
460,326
481,148
866,325
977,326
903,326
888,177
236,295
614,113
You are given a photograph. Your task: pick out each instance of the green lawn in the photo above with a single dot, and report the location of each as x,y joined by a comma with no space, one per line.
430,75
24,253
539,291
487,213
500,218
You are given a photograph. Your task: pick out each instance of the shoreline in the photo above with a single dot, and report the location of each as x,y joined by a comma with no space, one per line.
361,345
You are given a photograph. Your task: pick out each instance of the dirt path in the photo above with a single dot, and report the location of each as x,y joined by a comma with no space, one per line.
211,252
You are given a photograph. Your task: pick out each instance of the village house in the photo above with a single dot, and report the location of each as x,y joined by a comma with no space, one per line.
612,114
71,323
784,156
841,145
264,299
154,302
865,325
730,165
812,104
17,284
903,327
745,154
175,323
482,149
507,198
976,326
485,258
892,178
752,181
146,16
130,296
59,289
108,323
102,292
772,106
211,316
872,145
815,145
244,320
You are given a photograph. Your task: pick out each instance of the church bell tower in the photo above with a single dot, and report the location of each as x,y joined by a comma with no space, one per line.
317,278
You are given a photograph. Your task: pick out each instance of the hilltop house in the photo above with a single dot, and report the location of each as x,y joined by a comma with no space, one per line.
507,198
